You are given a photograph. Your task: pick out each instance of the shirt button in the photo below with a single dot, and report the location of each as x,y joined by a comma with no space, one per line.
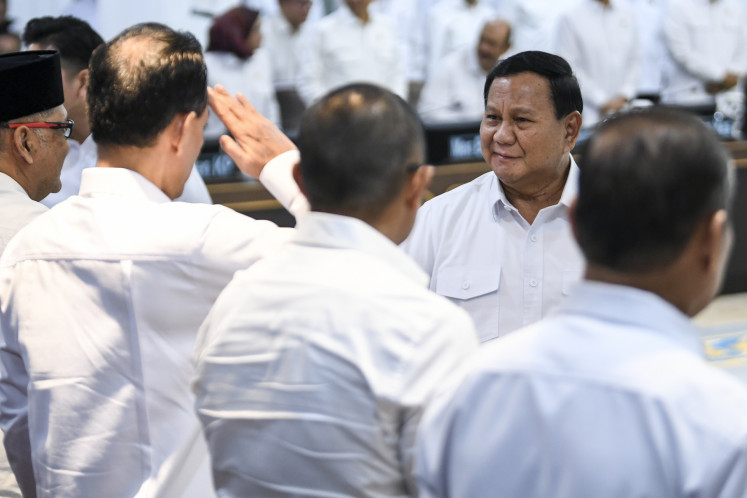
465,285
533,283
533,238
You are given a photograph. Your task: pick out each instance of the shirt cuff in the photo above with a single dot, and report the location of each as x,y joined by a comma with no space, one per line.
277,178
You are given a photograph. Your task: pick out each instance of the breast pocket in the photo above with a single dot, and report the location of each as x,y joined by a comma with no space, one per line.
474,289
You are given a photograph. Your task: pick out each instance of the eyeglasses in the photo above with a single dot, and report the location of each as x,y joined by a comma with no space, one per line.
66,126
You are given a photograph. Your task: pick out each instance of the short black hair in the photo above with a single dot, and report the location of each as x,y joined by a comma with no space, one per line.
74,38
647,179
356,144
564,89
134,95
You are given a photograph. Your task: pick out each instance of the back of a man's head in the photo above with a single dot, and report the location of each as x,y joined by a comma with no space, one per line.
647,180
141,80
72,37
356,145
564,88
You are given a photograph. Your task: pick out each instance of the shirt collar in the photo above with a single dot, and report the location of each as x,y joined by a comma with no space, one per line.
570,190
119,182
8,183
344,232
638,308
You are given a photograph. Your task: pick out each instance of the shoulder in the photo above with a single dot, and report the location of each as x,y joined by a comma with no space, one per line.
471,194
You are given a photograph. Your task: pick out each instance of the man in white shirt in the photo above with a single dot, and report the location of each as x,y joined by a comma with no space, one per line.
533,22
102,296
76,40
611,395
454,91
315,364
706,39
352,45
33,127
501,246
451,25
599,39
283,38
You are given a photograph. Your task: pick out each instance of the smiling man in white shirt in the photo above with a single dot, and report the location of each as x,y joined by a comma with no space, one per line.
102,296
500,246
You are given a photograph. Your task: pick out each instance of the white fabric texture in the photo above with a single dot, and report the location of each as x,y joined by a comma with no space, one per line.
483,256
283,46
652,47
17,207
102,298
600,42
454,91
342,49
533,22
252,78
706,40
315,364
453,24
609,397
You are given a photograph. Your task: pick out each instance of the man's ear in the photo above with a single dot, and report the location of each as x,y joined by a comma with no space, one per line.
24,143
572,127
416,185
179,130
716,240
81,83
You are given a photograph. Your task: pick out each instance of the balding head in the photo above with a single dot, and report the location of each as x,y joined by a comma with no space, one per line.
495,40
356,144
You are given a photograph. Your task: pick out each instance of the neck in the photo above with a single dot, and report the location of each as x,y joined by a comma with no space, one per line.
149,162
530,201
361,14
80,132
664,282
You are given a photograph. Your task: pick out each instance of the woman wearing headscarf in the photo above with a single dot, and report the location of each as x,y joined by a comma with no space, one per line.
234,59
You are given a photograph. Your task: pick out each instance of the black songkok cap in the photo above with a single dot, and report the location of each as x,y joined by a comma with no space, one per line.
30,82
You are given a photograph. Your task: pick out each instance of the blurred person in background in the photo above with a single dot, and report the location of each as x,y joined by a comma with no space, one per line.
283,36
352,44
454,89
235,60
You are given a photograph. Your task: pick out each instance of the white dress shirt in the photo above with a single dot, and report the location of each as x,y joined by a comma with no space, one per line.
252,77
707,40
454,90
608,398
85,155
453,24
600,42
533,22
342,49
483,256
314,366
17,207
652,48
101,299
408,22
283,46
